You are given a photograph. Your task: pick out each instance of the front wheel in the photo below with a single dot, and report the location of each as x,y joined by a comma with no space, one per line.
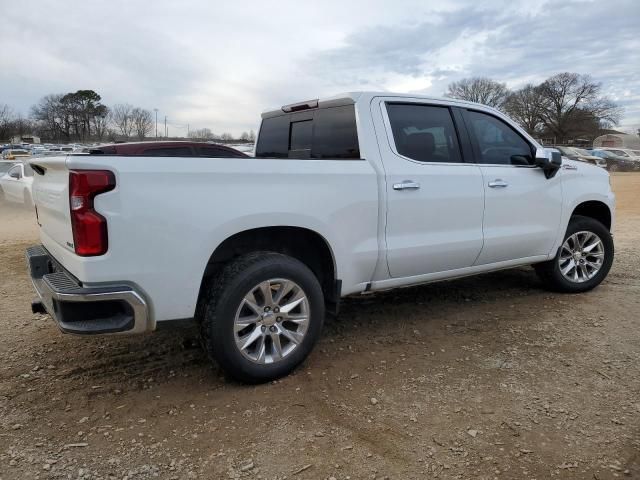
261,316
584,259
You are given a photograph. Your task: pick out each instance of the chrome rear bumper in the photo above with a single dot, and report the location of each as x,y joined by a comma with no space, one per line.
85,310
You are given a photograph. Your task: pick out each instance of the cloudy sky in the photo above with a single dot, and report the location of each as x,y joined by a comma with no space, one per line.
218,64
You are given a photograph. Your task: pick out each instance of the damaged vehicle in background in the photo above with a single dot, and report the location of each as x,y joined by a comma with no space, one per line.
15,184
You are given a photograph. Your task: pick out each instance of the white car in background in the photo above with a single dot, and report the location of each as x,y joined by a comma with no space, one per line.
15,185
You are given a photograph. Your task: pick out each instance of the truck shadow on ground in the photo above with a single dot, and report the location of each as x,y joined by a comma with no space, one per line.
174,350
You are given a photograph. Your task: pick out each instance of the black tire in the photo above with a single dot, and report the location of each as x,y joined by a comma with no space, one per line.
613,167
222,296
549,272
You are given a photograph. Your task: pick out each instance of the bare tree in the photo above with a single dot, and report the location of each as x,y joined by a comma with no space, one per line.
6,120
574,103
53,117
244,137
142,122
527,106
480,90
252,136
122,118
101,124
202,134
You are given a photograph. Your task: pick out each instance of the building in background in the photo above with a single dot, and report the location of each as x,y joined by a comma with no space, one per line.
25,139
617,140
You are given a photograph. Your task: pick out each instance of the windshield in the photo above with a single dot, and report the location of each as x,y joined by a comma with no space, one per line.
580,151
619,152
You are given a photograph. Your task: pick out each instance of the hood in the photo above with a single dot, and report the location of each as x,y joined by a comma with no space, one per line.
582,168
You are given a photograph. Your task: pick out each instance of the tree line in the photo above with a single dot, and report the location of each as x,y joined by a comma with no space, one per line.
207,134
81,117
564,107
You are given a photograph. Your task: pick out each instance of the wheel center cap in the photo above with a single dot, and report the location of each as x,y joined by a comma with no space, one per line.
268,319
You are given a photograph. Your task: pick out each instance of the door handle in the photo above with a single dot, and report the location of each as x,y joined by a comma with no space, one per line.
498,183
406,185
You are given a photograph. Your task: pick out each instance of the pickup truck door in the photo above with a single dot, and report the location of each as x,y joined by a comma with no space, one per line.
522,207
435,200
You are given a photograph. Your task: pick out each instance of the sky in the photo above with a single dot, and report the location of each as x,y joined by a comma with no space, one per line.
219,64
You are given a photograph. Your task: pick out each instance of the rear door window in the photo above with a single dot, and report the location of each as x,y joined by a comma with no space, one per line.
325,133
424,132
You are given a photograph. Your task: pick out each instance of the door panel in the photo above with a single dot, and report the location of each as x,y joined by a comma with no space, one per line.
439,226
521,219
434,201
522,207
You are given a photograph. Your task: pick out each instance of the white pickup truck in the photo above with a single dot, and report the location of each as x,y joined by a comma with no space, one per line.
350,194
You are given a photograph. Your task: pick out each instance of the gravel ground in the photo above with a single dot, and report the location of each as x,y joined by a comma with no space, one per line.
485,377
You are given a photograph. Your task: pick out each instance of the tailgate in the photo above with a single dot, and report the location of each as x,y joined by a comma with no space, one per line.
51,198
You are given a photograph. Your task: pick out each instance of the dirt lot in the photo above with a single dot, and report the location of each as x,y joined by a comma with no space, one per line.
486,377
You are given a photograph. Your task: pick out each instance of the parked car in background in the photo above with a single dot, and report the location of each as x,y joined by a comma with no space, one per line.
38,150
15,184
15,154
581,155
624,152
616,163
168,149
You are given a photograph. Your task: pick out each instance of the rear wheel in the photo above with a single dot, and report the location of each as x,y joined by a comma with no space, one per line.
613,167
584,259
261,316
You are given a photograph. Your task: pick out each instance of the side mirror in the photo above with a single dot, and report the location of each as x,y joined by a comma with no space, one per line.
549,162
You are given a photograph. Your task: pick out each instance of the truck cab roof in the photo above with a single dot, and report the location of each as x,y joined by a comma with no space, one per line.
350,98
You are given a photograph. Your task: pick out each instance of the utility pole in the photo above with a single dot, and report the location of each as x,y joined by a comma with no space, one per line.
188,130
156,110
165,127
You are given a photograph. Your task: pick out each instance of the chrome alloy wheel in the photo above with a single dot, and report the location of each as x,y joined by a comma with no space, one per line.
581,256
271,321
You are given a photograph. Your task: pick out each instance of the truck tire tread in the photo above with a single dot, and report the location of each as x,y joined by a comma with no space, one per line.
212,319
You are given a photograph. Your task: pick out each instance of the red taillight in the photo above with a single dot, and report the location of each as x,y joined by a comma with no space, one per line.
89,227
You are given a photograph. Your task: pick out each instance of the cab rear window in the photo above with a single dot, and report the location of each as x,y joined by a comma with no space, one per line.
326,133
